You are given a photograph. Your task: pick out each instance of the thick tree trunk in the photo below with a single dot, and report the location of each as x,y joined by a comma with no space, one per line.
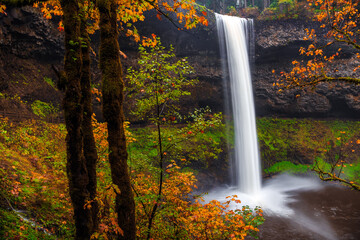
113,95
73,110
90,152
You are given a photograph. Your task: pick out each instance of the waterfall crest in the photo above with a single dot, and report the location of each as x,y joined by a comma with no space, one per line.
235,35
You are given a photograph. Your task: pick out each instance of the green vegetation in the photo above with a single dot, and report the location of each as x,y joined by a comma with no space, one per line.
278,9
50,82
296,145
32,169
199,143
12,226
43,109
33,172
286,166
286,9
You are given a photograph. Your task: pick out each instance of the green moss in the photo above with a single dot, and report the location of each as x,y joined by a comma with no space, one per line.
43,109
286,166
12,226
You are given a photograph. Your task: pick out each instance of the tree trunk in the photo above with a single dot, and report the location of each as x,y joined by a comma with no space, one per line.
266,3
161,164
112,89
90,152
73,110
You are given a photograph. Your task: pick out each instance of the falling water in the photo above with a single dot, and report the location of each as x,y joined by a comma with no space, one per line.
236,39
234,35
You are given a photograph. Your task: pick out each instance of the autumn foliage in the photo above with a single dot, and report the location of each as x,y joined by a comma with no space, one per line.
336,153
181,213
187,13
2,8
33,179
174,212
340,20
184,216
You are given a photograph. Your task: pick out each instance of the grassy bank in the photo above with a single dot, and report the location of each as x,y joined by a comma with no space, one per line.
293,145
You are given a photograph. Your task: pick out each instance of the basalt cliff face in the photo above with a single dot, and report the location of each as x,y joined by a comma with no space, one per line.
277,44
30,44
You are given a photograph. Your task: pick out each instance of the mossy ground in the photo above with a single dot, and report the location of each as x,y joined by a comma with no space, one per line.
33,163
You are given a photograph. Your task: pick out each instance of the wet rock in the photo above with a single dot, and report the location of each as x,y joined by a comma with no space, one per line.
29,44
353,102
25,34
277,45
313,103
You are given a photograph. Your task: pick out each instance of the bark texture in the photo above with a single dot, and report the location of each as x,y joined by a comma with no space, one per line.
90,152
73,110
113,96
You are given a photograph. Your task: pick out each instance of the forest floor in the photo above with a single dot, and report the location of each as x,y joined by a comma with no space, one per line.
34,203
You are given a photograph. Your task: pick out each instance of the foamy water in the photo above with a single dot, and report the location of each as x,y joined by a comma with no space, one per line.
274,197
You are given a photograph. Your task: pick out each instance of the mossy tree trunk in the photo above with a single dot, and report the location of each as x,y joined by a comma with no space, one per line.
90,152
80,142
73,110
112,90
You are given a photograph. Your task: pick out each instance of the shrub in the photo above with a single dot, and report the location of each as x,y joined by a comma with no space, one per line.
43,109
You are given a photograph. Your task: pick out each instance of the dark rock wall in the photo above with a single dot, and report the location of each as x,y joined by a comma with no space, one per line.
29,45
199,46
277,45
26,34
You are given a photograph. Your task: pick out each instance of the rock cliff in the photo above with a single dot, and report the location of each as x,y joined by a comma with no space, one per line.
30,44
277,44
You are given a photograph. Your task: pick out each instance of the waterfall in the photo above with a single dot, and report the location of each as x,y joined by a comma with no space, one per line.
235,35
236,41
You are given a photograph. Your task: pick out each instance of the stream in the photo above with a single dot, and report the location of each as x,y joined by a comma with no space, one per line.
332,212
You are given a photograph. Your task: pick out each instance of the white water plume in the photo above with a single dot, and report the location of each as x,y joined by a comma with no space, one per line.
273,197
236,41
235,36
